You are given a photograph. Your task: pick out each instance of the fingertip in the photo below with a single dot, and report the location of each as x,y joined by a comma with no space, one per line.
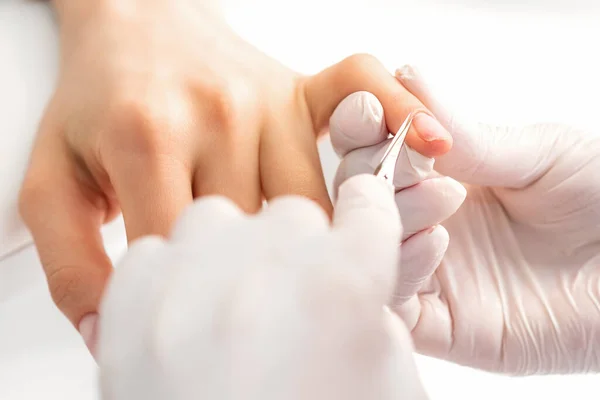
420,255
424,249
411,168
431,149
428,136
429,203
440,237
358,121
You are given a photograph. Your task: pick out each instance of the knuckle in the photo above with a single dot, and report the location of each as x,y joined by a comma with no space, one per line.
360,63
225,102
137,127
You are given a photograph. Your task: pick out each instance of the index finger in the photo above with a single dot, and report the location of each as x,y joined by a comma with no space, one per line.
326,90
65,220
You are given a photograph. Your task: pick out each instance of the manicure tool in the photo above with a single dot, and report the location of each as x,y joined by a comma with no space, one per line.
387,165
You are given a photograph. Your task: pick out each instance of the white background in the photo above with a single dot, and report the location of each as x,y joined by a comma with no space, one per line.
496,61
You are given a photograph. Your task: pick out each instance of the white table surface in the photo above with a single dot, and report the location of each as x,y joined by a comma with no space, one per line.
496,61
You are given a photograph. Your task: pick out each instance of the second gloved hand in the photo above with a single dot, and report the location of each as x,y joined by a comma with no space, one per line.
425,198
518,288
282,305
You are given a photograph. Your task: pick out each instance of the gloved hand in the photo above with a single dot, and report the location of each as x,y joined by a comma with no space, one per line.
518,290
281,305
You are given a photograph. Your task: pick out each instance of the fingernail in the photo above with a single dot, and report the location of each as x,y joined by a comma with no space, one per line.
88,330
429,129
407,72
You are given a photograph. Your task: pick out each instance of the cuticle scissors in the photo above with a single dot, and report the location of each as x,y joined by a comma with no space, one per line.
387,165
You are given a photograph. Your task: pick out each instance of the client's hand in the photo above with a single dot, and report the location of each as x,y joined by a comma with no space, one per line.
281,305
160,102
518,290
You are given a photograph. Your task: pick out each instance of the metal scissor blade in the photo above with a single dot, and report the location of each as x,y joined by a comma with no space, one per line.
387,165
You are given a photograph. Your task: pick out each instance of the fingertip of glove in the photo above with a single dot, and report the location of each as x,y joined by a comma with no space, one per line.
439,238
456,190
412,167
368,189
358,121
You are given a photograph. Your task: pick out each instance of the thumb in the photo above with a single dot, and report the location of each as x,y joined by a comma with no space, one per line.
367,219
65,222
357,122
482,154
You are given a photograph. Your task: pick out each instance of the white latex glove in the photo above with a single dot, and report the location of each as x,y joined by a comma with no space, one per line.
518,290
359,135
282,305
